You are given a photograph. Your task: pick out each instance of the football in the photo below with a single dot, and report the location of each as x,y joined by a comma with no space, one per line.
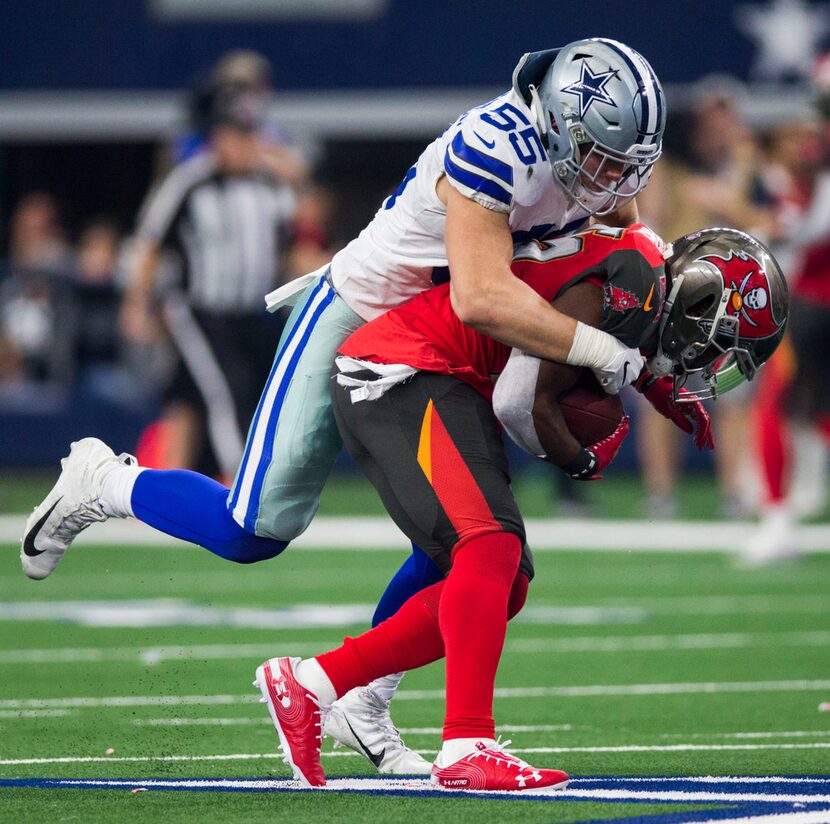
590,413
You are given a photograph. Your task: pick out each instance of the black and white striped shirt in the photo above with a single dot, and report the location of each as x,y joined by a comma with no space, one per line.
228,231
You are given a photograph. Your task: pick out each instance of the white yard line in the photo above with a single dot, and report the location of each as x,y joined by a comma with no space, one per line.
593,690
635,689
543,534
231,722
156,655
161,612
752,735
16,714
13,762
588,644
656,643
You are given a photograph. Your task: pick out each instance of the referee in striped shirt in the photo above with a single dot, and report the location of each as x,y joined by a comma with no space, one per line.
227,219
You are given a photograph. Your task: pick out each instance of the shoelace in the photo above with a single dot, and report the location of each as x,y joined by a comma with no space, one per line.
87,513
498,752
378,710
321,712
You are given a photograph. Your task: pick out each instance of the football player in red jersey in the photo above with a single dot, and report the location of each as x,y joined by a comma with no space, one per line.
413,400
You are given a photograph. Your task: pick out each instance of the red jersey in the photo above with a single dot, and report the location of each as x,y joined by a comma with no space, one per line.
425,333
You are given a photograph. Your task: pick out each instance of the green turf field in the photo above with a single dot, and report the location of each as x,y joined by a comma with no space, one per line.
623,663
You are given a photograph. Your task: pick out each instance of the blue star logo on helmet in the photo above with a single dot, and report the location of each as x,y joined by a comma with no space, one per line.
591,87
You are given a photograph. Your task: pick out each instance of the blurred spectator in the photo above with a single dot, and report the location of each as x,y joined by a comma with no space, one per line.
103,371
718,184
37,240
794,394
96,294
35,331
226,217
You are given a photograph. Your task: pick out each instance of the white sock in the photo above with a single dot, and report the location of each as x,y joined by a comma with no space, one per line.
455,749
313,677
117,490
385,687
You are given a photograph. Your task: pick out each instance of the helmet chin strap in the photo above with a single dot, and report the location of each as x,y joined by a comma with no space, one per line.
538,110
661,363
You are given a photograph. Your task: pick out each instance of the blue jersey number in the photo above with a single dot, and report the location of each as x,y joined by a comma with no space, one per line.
523,138
390,201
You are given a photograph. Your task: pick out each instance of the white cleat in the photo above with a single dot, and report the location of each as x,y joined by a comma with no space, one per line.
360,720
71,506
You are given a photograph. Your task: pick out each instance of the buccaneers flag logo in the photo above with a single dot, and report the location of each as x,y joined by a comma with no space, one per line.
750,301
619,300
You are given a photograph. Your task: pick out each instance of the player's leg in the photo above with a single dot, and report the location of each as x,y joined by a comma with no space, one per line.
95,484
417,572
293,439
435,456
292,445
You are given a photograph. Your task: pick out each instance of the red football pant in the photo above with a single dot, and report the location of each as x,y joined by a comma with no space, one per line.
465,617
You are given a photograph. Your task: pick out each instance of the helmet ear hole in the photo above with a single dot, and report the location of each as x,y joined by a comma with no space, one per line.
700,309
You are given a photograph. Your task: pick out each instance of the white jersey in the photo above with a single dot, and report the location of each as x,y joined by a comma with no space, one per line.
491,154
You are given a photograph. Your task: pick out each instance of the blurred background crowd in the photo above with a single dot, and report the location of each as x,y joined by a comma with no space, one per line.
100,273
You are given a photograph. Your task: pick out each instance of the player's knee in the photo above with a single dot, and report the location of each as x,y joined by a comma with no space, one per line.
250,549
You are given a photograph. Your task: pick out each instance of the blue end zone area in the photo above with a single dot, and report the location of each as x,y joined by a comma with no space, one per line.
795,798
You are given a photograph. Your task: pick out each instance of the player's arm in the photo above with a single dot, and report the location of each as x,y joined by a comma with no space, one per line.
136,318
487,296
527,392
581,302
154,231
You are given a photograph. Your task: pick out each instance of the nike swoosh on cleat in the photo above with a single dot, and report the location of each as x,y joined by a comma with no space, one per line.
490,144
29,541
375,759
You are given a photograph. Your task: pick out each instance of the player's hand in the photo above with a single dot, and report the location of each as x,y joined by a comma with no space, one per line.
622,369
690,417
612,362
593,459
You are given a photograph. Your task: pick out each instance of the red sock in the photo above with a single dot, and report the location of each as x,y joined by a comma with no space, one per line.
409,639
473,620
412,638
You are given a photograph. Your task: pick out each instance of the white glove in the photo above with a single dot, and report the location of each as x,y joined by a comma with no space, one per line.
614,364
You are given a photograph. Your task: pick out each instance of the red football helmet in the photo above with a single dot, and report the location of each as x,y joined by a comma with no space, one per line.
725,314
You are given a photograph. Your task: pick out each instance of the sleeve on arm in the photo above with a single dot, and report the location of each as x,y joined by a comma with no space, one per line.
632,297
479,163
513,400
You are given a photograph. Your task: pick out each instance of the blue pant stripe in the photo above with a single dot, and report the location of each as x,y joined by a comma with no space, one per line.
265,457
234,498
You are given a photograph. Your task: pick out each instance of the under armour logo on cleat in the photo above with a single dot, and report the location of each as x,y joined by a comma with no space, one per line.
281,690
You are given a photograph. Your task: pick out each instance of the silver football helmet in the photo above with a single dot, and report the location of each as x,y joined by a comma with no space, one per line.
601,112
725,314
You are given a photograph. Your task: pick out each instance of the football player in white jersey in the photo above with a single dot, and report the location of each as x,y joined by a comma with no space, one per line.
576,136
